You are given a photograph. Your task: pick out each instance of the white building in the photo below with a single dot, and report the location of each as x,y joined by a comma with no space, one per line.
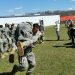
48,20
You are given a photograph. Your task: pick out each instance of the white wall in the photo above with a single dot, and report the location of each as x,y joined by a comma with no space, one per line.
48,20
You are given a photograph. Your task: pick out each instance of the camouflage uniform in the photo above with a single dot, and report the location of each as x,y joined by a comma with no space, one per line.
12,36
6,32
24,34
1,41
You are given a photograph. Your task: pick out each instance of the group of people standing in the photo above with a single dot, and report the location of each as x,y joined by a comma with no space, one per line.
22,39
7,38
70,30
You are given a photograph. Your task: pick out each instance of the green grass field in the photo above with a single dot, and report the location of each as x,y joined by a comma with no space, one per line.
52,57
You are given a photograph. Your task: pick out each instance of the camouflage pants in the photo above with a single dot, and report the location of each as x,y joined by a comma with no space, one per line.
28,62
3,45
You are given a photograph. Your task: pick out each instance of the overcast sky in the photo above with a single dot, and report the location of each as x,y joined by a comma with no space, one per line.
10,7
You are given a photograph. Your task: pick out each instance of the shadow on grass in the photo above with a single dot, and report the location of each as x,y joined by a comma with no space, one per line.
66,45
13,72
69,45
55,40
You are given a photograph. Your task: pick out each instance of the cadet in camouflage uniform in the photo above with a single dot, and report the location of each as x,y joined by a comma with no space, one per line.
12,36
25,38
6,31
1,40
3,43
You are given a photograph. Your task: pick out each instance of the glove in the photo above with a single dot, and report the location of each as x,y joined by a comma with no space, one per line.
20,48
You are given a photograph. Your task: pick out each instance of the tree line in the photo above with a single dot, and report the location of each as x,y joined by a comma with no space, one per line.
58,12
44,13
